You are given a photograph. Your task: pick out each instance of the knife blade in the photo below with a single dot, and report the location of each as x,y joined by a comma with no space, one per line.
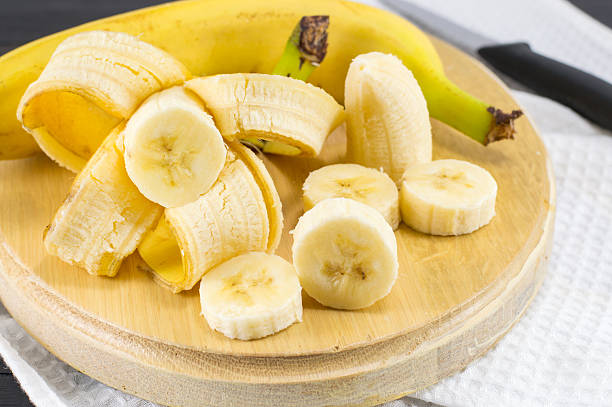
587,94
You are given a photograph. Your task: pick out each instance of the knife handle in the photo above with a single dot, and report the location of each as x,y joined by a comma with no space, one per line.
583,92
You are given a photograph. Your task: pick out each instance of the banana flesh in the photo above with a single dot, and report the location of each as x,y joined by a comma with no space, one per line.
447,197
92,82
270,107
104,217
387,120
251,296
228,220
366,185
345,254
173,151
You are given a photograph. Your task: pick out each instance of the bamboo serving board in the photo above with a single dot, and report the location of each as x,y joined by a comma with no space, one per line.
455,297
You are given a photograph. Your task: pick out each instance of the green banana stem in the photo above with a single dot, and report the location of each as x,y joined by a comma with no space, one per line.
462,111
305,49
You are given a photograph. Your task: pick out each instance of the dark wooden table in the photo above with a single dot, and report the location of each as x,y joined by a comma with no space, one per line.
26,20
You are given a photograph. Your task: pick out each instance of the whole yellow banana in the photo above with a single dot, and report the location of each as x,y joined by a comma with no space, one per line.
212,37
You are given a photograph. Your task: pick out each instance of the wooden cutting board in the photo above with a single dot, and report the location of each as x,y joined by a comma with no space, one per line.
454,299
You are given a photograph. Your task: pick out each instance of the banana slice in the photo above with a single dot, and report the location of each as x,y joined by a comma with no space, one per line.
345,254
270,107
387,120
92,82
251,296
173,151
447,197
366,185
229,220
104,217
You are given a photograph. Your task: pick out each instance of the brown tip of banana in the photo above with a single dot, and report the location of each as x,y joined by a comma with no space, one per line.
503,124
313,38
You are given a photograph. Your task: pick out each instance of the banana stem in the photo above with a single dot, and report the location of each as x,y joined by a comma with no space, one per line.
305,48
502,126
465,113
304,51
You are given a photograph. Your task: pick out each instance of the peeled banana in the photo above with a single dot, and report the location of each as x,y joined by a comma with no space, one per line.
387,120
92,82
366,185
345,254
173,151
270,107
447,197
240,213
104,217
251,296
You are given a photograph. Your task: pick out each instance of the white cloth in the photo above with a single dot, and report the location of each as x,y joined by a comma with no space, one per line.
560,352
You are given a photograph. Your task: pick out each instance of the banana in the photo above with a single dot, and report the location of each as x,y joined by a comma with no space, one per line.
251,296
249,36
92,82
240,213
270,107
104,217
345,254
173,151
366,185
447,197
387,120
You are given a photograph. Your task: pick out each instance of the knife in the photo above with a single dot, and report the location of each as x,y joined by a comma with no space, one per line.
587,94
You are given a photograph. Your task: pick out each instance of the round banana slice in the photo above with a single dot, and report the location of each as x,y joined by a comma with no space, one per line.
228,220
296,116
173,151
345,254
387,119
447,197
92,82
366,185
251,296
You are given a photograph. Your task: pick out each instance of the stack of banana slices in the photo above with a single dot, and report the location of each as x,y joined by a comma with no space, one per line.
163,170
